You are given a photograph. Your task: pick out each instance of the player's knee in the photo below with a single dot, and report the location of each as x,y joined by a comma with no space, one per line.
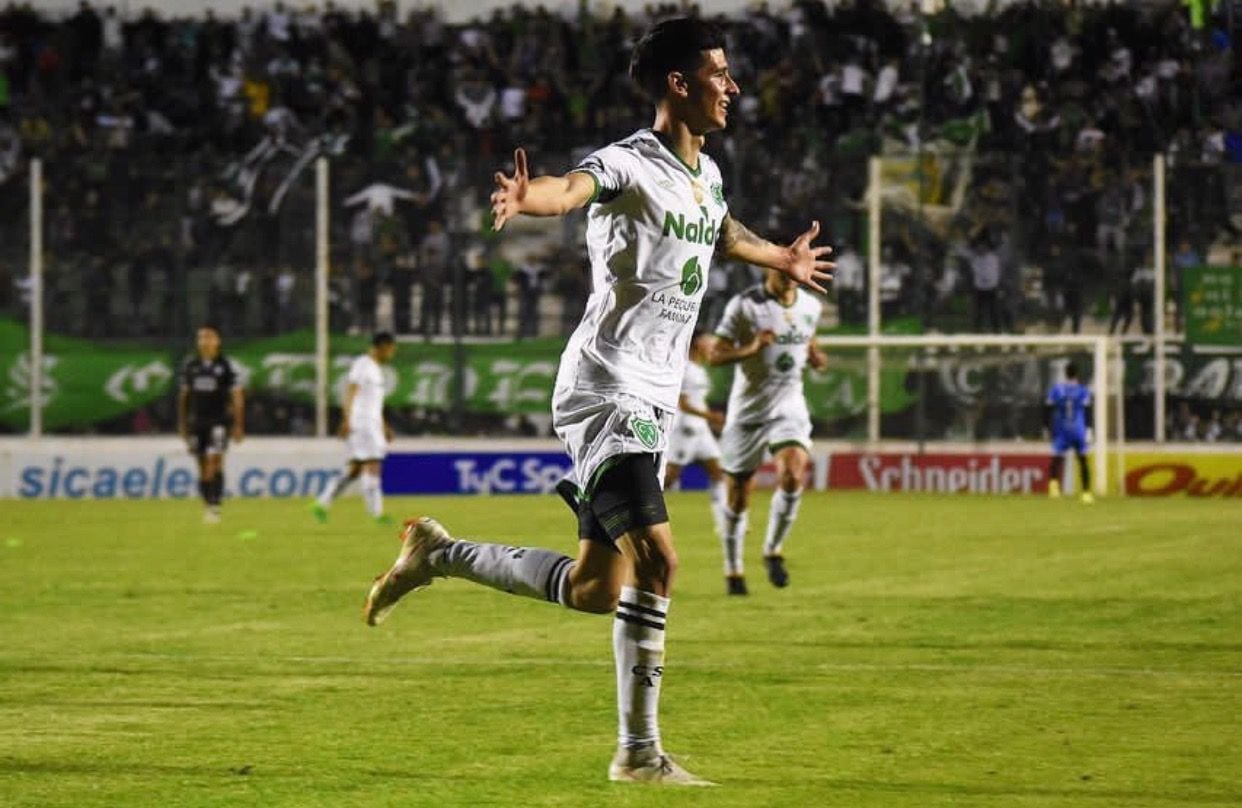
791,479
655,565
594,597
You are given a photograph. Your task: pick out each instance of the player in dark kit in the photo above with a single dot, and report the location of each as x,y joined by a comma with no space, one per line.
211,407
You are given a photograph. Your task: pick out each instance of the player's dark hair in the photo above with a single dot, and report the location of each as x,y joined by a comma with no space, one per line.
675,44
1071,371
381,339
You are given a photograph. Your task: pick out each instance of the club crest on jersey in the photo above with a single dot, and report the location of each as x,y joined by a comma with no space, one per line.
718,193
691,277
646,431
784,363
701,232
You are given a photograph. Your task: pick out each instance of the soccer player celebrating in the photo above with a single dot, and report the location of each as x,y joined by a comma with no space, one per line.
1067,411
769,331
691,439
209,390
364,429
657,214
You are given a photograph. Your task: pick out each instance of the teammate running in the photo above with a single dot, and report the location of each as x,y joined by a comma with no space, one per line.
657,215
364,429
691,439
210,400
769,330
1067,411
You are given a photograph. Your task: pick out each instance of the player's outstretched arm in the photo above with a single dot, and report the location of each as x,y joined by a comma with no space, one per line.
724,352
541,196
799,260
815,355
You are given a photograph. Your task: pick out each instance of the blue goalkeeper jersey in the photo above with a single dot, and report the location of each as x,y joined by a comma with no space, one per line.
1069,402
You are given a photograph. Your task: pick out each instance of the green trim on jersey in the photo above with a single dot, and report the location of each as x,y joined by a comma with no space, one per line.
694,172
768,294
594,181
785,444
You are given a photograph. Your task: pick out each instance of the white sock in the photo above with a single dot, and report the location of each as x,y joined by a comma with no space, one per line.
780,519
719,498
331,492
638,646
372,495
733,539
527,571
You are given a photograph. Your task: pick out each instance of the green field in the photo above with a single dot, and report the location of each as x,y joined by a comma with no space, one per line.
931,651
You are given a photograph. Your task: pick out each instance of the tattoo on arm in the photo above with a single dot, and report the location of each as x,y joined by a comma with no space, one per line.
733,232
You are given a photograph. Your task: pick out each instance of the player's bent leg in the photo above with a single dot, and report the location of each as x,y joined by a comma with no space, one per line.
717,491
791,466
372,491
319,507
734,523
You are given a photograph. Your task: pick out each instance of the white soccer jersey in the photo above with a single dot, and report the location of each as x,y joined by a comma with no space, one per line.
651,232
769,383
368,405
695,386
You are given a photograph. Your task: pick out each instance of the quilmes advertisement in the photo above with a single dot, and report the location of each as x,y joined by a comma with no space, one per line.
1192,474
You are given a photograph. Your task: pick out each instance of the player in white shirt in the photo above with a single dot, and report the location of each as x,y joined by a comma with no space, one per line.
691,439
769,330
656,216
364,429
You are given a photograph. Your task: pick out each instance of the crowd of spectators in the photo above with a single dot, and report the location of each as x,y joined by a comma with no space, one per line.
179,157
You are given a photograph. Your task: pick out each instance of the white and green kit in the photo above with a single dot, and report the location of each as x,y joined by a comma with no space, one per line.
767,406
651,233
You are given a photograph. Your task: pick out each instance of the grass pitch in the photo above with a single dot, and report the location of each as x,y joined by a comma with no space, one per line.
930,651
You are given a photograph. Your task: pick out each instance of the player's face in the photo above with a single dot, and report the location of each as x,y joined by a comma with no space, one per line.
208,343
711,90
385,353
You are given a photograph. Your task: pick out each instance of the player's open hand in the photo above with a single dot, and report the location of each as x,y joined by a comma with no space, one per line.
805,265
510,192
818,360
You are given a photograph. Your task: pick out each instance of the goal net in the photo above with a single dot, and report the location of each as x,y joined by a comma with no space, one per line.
959,392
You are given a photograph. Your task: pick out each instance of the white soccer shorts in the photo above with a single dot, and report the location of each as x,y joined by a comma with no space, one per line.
743,446
366,443
595,427
691,441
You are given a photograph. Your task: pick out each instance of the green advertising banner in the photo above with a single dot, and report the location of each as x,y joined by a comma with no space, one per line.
85,382
1212,300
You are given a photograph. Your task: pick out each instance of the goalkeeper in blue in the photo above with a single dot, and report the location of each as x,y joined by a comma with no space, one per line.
1067,411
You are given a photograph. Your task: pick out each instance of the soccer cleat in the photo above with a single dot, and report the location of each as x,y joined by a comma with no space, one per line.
776,571
412,570
735,585
319,512
650,766
1087,498
211,516
1054,488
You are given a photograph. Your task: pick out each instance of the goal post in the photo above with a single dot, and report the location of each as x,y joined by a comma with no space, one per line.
929,351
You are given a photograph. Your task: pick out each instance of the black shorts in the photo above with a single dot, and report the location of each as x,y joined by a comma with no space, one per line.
627,495
208,440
